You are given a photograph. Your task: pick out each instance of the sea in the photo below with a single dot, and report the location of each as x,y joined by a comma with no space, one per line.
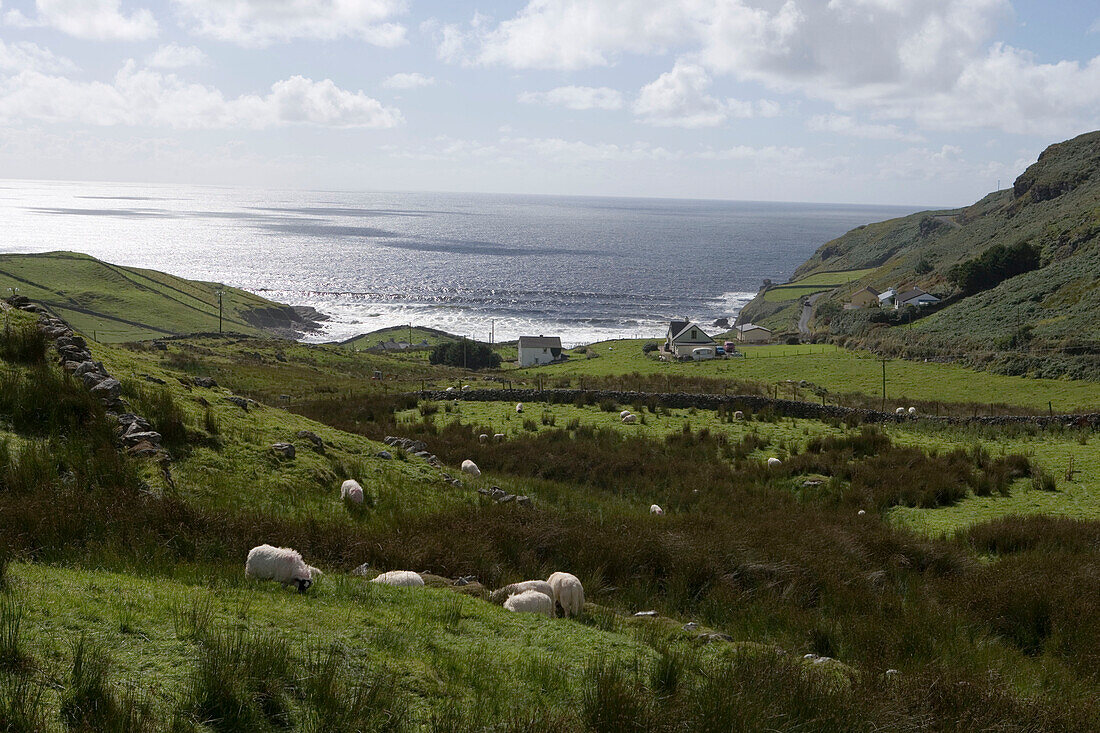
482,265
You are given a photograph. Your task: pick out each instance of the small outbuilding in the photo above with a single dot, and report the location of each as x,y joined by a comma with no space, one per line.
865,298
535,350
750,333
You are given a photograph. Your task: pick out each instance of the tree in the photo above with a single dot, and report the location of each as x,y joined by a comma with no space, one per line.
467,354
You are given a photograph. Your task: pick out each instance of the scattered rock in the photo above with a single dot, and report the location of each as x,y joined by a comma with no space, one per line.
313,438
143,436
143,449
714,636
108,389
691,626
154,380
363,570
524,501
207,382
385,455
286,450
160,346
240,402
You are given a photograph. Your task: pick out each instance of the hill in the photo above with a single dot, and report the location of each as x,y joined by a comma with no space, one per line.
112,303
1034,316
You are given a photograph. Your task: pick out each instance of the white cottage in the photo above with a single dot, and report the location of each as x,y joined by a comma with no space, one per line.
750,333
535,350
684,337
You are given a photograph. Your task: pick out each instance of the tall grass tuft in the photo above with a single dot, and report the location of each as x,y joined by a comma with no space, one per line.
22,343
91,704
22,705
157,404
12,656
339,700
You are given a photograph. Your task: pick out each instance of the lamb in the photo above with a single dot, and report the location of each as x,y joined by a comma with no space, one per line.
500,595
774,462
654,509
623,414
400,578
568,593
483,438
530,601
280,564
471,468
899,411
465,388
449,389
351,491
519,407
738,415
498,438
630,419
912,411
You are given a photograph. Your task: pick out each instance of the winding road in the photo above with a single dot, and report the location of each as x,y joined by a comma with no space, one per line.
807,314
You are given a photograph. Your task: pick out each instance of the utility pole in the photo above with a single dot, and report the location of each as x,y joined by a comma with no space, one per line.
492,331
220,294
463,352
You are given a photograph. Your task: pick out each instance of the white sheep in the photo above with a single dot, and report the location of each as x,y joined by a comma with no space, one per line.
530,601
465,388
774,462
738,415
280,564
519,407
899,411
351,491
912,411
568,593
498,438
471,468
483,438
630,419
400,578
654,509
861,513
539,586
623,414
449,389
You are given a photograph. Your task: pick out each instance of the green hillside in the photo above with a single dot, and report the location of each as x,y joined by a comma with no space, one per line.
1041,321
113,303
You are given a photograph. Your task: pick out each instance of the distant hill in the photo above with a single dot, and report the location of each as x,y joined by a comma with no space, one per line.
1041,322
407,334
115,303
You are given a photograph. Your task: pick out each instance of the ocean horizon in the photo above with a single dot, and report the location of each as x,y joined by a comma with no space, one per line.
581,267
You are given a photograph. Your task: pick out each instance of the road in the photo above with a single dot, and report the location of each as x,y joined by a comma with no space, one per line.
807,314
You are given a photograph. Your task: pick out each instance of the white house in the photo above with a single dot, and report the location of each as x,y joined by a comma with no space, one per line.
684,337
535,350
887,298
916,298
750,333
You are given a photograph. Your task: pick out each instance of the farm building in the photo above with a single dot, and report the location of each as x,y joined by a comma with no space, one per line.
865,298
750,333
684,337
535,350
916,298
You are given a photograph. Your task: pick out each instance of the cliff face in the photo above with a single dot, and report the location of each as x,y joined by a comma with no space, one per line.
1053,207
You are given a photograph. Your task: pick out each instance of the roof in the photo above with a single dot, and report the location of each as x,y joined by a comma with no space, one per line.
679,328
869,289
540,342
913,294
751,327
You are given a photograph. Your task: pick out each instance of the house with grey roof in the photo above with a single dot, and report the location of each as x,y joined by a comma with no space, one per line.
535,350
916,298
684,337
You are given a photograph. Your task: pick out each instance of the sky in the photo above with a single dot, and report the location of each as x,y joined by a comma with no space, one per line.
912,102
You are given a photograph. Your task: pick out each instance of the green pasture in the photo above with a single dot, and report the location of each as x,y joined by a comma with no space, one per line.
816,283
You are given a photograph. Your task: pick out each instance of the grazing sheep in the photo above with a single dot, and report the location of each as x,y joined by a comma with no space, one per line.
530,601
280,564
465,388
500,595
654,509
498,438
861,512
912,411
471,468
449,389
774,462
483,438
899,411
568,593
738,415
623,414
630,419
519,407
400,578
351,491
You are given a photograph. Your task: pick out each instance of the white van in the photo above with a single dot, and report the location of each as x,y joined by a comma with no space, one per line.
702,353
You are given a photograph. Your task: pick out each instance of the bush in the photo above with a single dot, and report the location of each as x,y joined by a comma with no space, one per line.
649,347
996,264
22,343
465,354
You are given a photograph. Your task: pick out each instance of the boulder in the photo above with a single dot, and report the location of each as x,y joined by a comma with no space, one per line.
313,438
240,402
385,455
143,448
286,450
108,389
142,436
207,382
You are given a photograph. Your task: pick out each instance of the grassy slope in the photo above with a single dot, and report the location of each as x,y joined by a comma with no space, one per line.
128,304
816,283
414,335
841,371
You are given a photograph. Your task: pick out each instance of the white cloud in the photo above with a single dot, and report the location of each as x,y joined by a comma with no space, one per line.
143,97
924,60
573,97
679,98
845,125
20,56
257,23
411,80
174,56
101,20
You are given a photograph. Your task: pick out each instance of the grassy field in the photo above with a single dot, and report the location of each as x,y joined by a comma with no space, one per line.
816,283
114,304
410,334
839,371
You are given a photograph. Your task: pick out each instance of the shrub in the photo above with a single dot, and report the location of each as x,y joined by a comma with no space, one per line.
465,354
650,347
994,265
22,343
